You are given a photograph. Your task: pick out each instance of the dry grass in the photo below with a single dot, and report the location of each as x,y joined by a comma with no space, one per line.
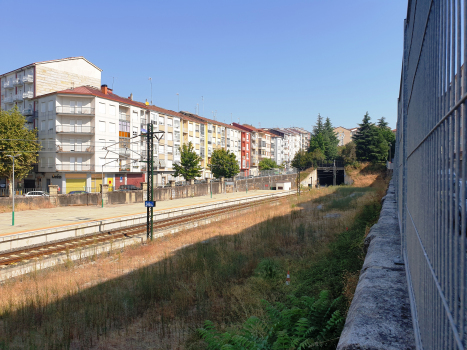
367,175
154,296
33,205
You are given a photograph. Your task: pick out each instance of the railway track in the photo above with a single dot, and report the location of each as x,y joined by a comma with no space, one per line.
69,245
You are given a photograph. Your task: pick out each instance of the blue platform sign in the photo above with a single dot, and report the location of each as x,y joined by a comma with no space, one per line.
149,204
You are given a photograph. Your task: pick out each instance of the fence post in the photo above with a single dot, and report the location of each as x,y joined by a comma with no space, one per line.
104,194
172,189
53,192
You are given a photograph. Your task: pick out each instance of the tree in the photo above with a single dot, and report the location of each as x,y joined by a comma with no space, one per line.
302,160
16,139
324,139
370,144
317,142
319,127
331,140
387,133
267,164
224,164
189,166
348,153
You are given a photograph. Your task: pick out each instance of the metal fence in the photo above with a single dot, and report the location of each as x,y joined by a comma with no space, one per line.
429,171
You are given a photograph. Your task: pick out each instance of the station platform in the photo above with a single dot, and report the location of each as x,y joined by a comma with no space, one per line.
32,220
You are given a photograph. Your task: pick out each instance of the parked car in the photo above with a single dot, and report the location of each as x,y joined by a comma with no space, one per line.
128,188
78,192
37,194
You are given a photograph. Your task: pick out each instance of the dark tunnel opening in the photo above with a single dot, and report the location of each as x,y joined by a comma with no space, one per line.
325,177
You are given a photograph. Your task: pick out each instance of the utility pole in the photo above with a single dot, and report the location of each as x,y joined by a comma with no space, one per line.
150,80
13,190
150,167
150,203
334,174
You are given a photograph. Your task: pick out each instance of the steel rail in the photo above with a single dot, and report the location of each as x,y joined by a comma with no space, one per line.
35,252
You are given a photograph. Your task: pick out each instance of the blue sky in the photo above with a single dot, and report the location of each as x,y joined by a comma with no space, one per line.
273,63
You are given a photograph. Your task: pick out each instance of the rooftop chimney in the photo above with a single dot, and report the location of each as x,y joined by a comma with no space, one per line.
131,97
104,89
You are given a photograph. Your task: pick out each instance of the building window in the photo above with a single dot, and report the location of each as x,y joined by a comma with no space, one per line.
169,136
51,124
112,110
190,127
43,107
101,108
161,121
42,125
102,125
161,149
112,126
51,106
169,122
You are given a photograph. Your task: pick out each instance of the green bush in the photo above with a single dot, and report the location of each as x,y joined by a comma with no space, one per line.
306,322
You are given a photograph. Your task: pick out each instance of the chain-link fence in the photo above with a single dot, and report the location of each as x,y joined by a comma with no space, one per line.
429,171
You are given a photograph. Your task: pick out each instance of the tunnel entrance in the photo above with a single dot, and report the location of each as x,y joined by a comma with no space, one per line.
325,177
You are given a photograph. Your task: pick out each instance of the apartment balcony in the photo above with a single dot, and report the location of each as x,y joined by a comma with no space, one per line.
28,95
124,116
74,110
29,112
75,149
18,82
28,79
74,167
8,85
8,99
75,129
124,152
18,97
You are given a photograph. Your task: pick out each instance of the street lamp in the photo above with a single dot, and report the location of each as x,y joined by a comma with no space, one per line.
13,189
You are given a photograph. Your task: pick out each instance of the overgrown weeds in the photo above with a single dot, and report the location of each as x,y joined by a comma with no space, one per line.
157,295
33,205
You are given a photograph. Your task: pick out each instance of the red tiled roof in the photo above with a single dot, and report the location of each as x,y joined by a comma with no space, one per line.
91,91
211,121
248,127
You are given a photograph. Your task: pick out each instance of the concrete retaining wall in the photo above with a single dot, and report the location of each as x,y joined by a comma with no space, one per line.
379,317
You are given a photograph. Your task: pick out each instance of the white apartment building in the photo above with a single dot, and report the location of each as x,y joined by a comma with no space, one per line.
89,135
277,149
291,143
305,137
21,86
